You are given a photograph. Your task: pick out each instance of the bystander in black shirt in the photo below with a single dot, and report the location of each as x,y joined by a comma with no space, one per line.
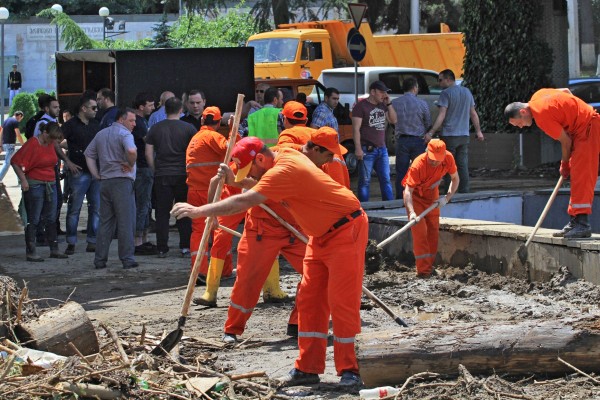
79,136
190,119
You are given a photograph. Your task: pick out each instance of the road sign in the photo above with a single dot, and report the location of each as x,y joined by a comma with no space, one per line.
357,11
357,46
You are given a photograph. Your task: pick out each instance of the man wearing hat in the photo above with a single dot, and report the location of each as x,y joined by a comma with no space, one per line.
204,153
337,227
369,121
421,191
14,83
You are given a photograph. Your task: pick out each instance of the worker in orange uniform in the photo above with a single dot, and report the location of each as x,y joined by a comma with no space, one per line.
204,154
337,227
421,191
576,125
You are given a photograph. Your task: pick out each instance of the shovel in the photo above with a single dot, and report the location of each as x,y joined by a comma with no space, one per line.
366,291
171,340
522,252
407,226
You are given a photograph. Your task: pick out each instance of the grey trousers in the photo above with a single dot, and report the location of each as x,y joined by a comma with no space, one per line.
117,211
459,147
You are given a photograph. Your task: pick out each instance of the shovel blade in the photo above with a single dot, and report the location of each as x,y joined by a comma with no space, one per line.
168,343
522,253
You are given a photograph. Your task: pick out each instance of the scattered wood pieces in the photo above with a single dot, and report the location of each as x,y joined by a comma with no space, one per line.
578,370
116,341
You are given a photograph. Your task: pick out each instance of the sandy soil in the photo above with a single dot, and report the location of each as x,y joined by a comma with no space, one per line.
152,294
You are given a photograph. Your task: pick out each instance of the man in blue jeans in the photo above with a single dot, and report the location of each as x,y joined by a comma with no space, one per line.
456,106
414,120
8,137
78,132
369,119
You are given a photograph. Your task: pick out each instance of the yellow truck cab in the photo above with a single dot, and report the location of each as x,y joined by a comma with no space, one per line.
304,49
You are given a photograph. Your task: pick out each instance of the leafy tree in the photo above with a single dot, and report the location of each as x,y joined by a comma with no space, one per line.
161,34
73,36
505,61
26,102
26,8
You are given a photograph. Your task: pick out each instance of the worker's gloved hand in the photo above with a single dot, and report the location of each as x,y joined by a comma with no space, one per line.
412,215
442,201
565,169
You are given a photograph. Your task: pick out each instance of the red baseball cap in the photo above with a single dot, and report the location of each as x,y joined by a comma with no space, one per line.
244,153
436,150
328,138
214,111
294,110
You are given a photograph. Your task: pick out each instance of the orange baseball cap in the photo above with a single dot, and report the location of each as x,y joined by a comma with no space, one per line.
244,153
214,111
294,110
328,138
436,150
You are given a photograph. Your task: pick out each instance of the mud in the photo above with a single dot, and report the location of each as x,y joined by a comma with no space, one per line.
151,296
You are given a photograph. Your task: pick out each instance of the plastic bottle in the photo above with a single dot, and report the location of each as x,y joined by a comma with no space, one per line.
379,392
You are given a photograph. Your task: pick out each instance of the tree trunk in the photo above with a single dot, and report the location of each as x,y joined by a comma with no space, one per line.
54,329
389,358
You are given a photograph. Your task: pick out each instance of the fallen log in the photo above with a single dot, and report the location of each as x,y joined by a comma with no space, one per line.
54,329
517,348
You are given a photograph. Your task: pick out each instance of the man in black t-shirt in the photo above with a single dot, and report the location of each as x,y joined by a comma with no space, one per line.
169,139
78,132
8,137
195,106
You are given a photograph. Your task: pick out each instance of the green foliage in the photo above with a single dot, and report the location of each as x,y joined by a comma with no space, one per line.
161,34
27,8
26,102
505,61
73,36
227,30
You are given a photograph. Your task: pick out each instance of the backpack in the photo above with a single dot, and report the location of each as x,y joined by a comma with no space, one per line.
32,122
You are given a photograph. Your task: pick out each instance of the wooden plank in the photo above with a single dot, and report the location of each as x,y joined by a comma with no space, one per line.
388,358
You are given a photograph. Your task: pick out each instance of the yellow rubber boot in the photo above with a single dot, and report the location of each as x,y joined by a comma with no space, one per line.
213,280
272,293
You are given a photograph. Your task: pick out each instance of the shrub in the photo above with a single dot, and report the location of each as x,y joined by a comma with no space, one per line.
26,102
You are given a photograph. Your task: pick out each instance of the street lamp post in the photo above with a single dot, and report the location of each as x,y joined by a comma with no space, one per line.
104,13
3,17
58,9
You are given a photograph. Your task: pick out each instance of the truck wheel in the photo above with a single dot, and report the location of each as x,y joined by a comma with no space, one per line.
390,139
350,159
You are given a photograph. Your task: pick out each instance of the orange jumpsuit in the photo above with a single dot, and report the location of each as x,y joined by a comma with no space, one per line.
338,232
425,179
204,154
554,110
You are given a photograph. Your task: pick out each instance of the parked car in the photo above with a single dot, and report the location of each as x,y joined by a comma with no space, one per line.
587,89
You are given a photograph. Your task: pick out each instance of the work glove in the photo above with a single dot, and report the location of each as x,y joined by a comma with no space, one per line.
565,169
442,201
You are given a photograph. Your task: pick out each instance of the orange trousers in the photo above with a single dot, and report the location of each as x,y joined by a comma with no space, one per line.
332,286
221,241
425,235
262,241
584,169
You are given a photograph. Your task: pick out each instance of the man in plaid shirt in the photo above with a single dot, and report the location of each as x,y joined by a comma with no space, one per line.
323,115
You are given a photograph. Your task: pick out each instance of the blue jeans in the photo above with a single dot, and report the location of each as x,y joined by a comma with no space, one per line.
117,212
459,147
407,149
40,204
83,184
9,150
375,159
144,179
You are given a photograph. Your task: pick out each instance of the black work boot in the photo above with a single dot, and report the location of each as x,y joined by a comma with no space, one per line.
54,252
30,250
52,242
582,228
570,225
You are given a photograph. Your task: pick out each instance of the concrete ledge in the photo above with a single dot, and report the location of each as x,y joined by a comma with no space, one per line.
492,247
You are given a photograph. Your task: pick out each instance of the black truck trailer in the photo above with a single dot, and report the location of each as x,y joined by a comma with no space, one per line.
221,73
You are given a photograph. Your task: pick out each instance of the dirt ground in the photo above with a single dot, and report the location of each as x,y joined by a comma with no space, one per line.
152,294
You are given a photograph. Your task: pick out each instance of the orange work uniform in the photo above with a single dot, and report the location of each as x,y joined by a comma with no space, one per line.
424,178
338,232
204,154
554,110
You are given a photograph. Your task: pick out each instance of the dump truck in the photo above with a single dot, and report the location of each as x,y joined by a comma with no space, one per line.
304,49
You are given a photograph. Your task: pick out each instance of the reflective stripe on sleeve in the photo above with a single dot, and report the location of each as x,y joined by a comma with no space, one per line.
202,164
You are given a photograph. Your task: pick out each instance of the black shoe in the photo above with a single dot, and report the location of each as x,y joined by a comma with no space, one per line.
148,245
581,229
292,330
142,250
34,258
90,248
56,254
163,254
297,377
100,266
570,225
129,266
350,378
70,250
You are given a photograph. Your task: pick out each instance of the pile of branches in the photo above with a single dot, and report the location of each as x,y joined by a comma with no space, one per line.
125,369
